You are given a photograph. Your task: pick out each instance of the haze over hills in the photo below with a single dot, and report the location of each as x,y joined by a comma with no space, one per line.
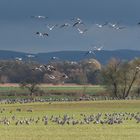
102,56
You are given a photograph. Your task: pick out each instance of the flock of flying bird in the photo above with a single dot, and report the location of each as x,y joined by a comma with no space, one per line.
78,24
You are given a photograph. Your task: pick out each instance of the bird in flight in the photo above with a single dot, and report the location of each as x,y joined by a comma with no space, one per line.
65,76
52,27
65,25
138,68
38,69
50,68
30,55
1,67
77,22
98,48
113,25
42,34
101,25
119,28
76,19
39,17
52,77
89,52
116,26
82,31
18,59
54,58
41,68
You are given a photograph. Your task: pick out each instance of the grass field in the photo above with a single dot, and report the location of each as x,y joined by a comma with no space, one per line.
129,130
15,90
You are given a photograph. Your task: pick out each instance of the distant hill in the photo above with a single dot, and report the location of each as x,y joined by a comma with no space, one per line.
102,56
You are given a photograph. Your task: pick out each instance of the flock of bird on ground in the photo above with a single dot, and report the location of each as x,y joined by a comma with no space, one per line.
81,119
51,100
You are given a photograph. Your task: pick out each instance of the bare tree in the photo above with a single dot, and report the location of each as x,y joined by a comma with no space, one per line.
128,76
120,77
111,77
31,85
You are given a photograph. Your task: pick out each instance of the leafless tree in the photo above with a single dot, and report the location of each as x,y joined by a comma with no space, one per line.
120,77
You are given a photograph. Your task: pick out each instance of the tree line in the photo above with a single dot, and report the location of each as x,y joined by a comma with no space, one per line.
121,78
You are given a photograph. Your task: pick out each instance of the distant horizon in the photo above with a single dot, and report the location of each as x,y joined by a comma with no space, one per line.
69,51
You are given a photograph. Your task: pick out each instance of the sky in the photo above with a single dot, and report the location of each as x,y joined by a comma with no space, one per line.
18,29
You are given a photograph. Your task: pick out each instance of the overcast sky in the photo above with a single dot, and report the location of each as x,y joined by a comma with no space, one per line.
17,29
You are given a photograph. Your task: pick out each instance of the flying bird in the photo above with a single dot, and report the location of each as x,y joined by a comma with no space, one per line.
18,58
82,31
113,25
65,76
98,48
119,28
1,67
54,58
42,34
138,68
65,25
39,17
39,69
77,22
52,27
101,25
89,52
52,77
30,55
76,19
116,26
50,68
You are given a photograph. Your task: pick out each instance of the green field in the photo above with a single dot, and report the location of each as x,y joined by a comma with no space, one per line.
129,130
58,90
